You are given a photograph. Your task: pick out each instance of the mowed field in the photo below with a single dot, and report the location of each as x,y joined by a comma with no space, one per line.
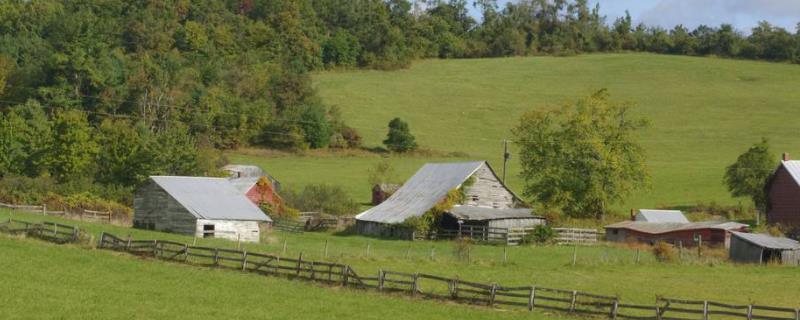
606,270
703,113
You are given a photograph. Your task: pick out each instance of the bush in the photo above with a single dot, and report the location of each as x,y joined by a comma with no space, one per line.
462,248
399,138
664,252
541,234
321,197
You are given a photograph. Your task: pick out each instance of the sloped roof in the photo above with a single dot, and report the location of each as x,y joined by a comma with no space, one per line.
486,213
651,215
793,167
244,184
210,198
767,241
421,192
244,170
666,227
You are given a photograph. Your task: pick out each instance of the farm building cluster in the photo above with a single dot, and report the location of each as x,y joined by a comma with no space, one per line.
487,210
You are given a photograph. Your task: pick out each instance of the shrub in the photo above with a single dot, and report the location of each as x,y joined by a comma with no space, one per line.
399,138
321,197
541,234
664,252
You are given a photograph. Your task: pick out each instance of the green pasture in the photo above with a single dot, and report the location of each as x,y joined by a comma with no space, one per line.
601,269
703,113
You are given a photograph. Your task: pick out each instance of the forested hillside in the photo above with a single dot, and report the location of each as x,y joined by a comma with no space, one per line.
97,95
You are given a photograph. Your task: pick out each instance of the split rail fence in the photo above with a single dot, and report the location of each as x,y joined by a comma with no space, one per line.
53,232
437,287
80,214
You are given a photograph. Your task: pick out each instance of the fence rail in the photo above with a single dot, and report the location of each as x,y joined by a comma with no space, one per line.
53,232
80,213
576,236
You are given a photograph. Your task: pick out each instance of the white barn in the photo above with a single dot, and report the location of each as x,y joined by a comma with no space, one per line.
199,206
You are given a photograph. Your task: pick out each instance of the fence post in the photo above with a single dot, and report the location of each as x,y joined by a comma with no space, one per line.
368,247
575,255
797,314
705,310
750,312
638,255
238,241
454,288
532,298
614,309
492,294
505,254
284,247
216,256
574,299
433,251
185,252
244,261
658,312
155,248
345,272
128,245
313,271
44,209
100,243
414,285
299,261
381,276
408,252
325,255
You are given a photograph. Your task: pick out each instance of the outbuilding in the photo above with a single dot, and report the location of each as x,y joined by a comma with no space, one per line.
652,215
783,195
429,186
198,206
762,248
709,233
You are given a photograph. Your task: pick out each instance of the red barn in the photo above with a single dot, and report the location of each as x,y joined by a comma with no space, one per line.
259,190
711,233
783,194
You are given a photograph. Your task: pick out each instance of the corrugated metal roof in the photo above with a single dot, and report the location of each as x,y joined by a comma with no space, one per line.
421,192
244,184
244,170
793,166
767,241
486,213
210,198
665,227
651,215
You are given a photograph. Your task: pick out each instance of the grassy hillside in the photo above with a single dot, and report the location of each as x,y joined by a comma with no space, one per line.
704,112
604,270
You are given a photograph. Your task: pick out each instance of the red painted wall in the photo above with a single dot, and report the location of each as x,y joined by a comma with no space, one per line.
784,200
711,237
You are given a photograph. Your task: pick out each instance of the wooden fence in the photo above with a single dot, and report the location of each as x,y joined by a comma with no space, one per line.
507,236
576,236
53,232
289,225
80,214
437,287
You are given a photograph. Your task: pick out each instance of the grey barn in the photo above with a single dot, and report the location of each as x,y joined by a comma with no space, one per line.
429,186
199,206
762,248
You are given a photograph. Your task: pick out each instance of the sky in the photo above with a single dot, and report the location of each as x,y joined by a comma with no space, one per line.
742,14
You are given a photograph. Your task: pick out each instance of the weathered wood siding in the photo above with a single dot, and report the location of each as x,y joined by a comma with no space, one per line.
155,209
791,257
744,252
246,231
487,191
515,223
711,237
375,229
784,200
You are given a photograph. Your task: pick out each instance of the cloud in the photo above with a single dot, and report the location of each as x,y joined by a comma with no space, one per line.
743,14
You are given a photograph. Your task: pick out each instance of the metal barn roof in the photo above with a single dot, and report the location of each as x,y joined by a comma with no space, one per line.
244,184
651,215
767,241
486,213
210,198
244,170
793,166
666,227
421,192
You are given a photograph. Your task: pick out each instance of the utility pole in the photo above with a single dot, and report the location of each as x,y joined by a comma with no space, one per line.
506,156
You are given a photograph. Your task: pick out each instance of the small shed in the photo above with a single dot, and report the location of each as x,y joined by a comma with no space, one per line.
199,206
490,217
762,248
250,172
382,191
652,215
710,233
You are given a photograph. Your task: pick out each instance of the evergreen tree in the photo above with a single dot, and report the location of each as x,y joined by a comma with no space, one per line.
399,138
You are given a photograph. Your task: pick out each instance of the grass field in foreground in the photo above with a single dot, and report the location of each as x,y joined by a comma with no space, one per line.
606,270
47,281
704,112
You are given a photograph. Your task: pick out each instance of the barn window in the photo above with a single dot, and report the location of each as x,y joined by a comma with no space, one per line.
475,198
208,231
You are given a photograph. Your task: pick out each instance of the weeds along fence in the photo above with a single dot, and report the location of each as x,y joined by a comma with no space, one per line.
79,214
53,232
430,286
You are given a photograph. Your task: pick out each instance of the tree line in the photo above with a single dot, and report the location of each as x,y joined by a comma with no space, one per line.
113,91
